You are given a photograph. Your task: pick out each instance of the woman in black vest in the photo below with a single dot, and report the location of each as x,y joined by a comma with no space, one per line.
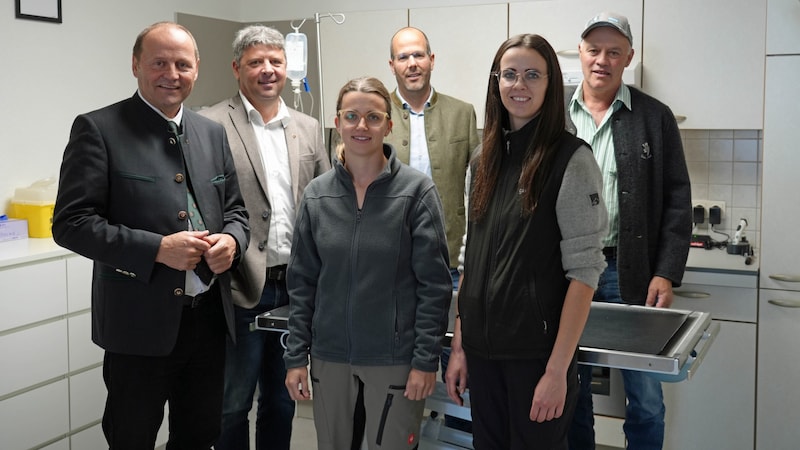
533,257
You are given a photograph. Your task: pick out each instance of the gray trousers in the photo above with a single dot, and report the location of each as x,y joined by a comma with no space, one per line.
393,421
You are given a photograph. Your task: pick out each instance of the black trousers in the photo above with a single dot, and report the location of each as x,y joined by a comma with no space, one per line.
190,379
501,392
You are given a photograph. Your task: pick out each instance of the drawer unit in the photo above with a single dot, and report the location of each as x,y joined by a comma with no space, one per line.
704,412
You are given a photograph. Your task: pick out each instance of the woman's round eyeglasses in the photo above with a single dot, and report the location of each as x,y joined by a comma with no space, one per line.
509,77
372,118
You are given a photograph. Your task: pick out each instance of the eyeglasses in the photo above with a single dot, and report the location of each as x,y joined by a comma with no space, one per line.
508,77
403,57
372,118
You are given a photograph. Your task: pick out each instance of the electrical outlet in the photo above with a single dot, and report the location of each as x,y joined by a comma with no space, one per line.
707,204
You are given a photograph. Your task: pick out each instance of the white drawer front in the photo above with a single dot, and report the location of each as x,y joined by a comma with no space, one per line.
720,278
89,439
724,303
32,356
34,417
79,283
82,351
32,293
59,445
87,395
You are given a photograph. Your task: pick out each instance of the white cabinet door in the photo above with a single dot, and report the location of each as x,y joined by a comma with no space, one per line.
780,266
561,22
783,27
705,60
357,47
714,409
460,70
777,423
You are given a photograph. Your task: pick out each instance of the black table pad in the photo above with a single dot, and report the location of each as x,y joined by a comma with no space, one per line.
631,329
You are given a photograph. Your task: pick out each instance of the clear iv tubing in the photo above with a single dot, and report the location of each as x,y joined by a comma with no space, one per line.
298,96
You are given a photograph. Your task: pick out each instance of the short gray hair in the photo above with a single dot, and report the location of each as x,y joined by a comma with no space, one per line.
255,35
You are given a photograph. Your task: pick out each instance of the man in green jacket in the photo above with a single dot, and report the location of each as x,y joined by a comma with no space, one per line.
433,133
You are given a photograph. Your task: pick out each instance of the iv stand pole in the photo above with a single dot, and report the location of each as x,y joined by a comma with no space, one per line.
339,19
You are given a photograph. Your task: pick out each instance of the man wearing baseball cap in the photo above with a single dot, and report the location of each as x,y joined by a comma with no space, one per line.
646,188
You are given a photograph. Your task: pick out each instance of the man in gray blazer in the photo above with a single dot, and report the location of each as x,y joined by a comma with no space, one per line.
277,151
152,205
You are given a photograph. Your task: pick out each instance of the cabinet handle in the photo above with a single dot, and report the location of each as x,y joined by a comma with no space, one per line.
788,278
680,118
785,303
692,294
568,53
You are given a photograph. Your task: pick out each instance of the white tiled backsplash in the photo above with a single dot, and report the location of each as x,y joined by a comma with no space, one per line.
725,165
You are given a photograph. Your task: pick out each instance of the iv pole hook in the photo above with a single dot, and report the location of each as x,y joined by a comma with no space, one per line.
297,28
339,19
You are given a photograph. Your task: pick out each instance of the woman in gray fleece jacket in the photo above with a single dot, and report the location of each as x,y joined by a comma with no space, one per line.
369,284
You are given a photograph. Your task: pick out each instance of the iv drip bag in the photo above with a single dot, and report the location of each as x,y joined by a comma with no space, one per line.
296,56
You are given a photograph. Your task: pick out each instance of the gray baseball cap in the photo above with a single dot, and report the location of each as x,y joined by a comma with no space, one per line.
609,19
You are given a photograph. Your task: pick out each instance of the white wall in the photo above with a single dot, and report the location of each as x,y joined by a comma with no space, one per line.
286,10
50,72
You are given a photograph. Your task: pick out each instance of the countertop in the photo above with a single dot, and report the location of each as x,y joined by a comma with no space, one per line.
23,251
718,260
34,249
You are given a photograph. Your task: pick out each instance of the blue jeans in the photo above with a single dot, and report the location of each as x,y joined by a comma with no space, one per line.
644,413
257,357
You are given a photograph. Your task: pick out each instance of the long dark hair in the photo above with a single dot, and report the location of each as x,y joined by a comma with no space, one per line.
540,151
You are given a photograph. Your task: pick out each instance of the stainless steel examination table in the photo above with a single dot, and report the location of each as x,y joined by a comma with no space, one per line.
670,344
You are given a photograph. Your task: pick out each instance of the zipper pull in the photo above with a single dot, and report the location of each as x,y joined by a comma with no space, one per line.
508,147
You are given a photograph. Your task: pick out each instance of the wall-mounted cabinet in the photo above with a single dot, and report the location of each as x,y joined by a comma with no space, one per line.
360,46
561,22
705,60
783,27
460,70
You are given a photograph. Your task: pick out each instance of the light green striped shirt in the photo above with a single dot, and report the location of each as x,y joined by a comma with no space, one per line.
601,139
